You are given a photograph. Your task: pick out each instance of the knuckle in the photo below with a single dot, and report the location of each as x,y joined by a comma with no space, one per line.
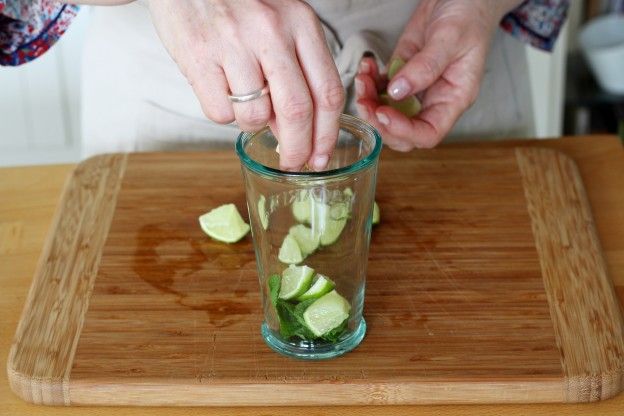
297,110
303,9
431,66
332,97
216,114
429,142
293,157
255,115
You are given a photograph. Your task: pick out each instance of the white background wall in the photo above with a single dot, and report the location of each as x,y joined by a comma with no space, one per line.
40,101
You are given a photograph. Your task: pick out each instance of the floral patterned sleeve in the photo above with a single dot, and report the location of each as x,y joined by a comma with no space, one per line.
537,22
28,28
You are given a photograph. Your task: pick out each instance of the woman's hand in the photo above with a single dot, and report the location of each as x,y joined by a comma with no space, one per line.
445,45
232,47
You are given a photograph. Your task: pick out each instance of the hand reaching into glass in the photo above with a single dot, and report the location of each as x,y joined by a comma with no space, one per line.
235,47
444,45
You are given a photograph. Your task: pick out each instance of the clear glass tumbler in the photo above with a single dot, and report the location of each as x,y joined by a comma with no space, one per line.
311,232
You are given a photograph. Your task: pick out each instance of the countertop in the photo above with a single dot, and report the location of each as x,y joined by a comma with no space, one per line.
29,196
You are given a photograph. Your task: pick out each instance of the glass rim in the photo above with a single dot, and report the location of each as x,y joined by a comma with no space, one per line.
359,165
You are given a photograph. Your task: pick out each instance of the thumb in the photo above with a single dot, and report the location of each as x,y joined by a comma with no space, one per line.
422,69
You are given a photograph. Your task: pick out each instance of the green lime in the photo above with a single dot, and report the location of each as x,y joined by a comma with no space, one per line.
295,281
302,207
306,238
332,230
376,214
289,252
339,210
409,106
263,213
328,221
326,313
320,286
224,224
395,66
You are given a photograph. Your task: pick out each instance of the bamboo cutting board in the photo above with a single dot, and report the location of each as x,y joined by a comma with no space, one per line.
486,283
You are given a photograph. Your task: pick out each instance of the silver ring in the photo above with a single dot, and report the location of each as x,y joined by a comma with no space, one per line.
251,96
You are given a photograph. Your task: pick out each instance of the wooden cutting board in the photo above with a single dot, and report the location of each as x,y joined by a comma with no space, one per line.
486,284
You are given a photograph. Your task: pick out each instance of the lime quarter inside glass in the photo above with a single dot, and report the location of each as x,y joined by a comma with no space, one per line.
296,280
320,286
326,313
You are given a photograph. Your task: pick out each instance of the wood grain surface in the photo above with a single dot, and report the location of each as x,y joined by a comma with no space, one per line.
39,367
600,163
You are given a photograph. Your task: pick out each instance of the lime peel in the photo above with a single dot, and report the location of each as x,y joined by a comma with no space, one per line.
224,224
296,280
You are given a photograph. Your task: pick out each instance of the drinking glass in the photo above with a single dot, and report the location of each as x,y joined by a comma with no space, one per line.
321,220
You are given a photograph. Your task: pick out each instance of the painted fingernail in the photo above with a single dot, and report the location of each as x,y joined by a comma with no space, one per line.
399,88
359,87
320,162
383,119
368,54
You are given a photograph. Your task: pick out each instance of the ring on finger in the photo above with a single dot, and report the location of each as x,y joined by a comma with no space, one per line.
243,98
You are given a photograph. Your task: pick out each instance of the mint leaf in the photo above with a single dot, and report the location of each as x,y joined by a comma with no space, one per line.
275,282
334,335
291,321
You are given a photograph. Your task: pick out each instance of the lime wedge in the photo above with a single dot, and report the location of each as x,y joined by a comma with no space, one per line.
289,252
395,66
224,224
263,213
409,106
306,238
329,221
332,230
348,192
302,207
320,286
326,313
295,281
339,210
376,215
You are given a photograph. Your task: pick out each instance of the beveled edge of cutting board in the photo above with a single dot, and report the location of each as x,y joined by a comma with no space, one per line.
40,359
591,350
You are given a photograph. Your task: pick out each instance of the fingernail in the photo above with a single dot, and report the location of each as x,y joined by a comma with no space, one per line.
320,162
364,67
368,54
399,88
359,87
383,119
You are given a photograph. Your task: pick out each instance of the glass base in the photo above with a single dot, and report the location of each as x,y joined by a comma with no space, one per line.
307,350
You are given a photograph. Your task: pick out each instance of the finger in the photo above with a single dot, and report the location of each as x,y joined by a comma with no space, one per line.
328,95
292,104
365,87
431,125
366,109
426,66
244,76
211,89
368,66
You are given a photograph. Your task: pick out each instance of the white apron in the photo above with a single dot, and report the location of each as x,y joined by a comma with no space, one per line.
134,98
